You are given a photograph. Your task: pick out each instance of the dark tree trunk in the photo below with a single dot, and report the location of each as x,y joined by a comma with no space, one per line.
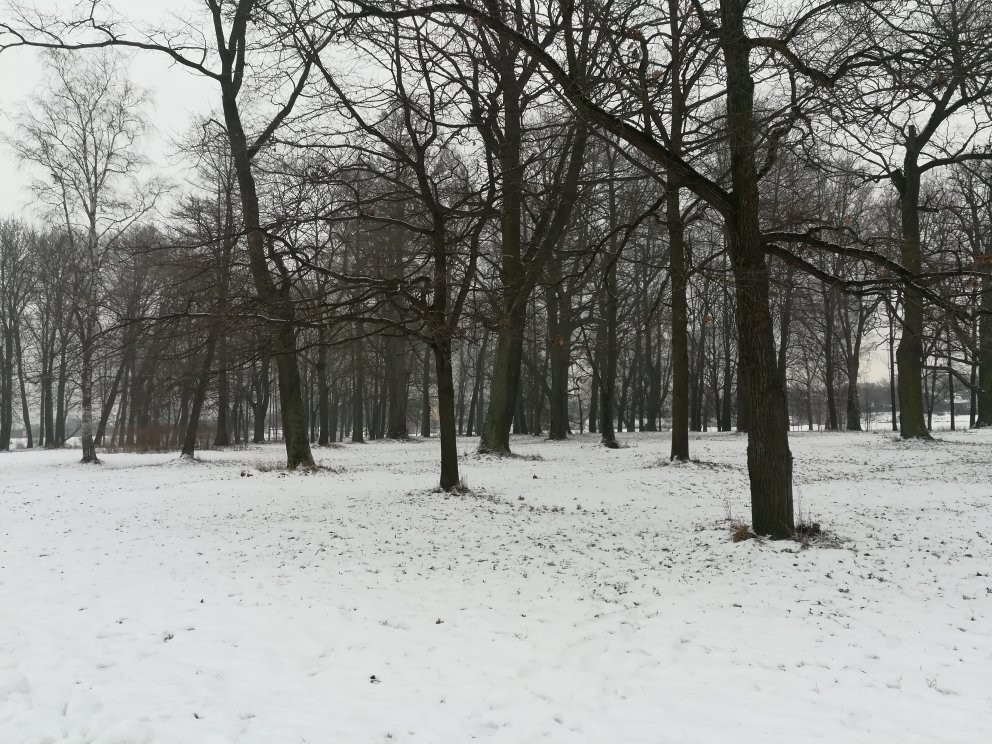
446,414
893,399
608,380
223,435
475,407
909,354
425,396
768,456
677,261
87,341
323,405
7,390
984,394
261,402
594,398
396,376
829,363
358,390
198,397
25,409
274,297
853,401
559,353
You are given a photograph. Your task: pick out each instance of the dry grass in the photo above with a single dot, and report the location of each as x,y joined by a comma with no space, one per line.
739,532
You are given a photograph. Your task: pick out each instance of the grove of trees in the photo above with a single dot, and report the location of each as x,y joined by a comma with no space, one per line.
485,218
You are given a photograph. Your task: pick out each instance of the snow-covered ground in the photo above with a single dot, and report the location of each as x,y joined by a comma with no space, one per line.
579,595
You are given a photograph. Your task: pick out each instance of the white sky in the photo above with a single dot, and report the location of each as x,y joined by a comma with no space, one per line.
176,94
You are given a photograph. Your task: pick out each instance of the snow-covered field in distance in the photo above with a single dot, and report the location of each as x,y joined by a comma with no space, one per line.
590,595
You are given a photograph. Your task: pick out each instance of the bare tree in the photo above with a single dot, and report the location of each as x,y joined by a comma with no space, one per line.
83,133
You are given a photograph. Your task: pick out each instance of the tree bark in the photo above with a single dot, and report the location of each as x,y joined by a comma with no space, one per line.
768,456
909,354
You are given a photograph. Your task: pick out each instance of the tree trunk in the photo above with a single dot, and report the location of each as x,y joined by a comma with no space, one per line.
853,401
323,406
198,397
768,456
559,342
87,340
680,323
829,365
984,394
275,298
608,379
261,403
6,390
358,391
396,377
446,414
909,354
425,400
25,410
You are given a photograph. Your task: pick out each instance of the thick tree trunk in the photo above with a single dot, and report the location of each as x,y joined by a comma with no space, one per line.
680,323
509,343
7,390
768,456
909,354
853,401
559,352
608,378
60,401
594,398
358,390
677,257
446,414
87,342
505,383
275,298
48,401
984,394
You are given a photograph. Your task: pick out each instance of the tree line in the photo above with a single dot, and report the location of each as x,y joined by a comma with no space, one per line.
489,218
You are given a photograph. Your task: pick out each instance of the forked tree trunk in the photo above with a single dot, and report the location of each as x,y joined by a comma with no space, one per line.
274,298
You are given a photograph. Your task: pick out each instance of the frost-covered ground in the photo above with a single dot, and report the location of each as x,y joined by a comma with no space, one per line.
589,595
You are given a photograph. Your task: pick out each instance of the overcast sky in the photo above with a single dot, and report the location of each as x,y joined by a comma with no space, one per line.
176,96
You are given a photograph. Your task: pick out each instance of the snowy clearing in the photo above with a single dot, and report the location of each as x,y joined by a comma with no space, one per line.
590,595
